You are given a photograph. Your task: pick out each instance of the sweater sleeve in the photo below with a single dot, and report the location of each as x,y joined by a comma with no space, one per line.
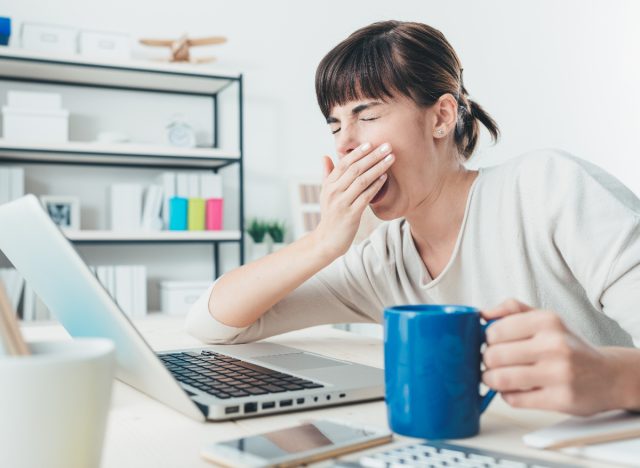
204,326
340,293
620,297
594,221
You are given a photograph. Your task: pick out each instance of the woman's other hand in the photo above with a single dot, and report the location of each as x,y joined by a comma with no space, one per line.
347,189
535,361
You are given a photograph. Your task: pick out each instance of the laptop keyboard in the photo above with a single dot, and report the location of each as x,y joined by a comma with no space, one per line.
227,377
434,454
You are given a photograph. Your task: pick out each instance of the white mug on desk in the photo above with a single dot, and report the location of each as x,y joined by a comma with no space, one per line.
54,404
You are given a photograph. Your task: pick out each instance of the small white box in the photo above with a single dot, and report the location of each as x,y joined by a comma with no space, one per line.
49,38
32,126
177,297
35,101
104,45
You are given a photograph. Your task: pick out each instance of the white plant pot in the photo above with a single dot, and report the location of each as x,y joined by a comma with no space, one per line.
275,246
259,250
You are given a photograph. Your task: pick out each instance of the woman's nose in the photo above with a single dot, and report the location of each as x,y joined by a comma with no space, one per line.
347,140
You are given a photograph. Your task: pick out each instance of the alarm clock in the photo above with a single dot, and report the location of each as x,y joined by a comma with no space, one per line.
180,133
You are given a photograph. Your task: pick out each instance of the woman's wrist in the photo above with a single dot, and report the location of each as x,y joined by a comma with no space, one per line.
625,364
323,250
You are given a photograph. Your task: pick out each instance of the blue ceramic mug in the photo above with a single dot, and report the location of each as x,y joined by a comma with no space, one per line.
432,370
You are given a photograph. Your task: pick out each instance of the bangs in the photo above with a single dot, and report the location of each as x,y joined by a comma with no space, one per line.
362,68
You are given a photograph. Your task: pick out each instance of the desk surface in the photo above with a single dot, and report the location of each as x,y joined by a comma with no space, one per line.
142,432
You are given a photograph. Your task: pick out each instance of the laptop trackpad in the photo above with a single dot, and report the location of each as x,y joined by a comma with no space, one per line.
300,361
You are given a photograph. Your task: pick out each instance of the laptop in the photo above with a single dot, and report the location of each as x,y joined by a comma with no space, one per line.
212,383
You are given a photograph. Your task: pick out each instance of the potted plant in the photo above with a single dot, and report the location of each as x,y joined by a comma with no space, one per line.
277,231
257,230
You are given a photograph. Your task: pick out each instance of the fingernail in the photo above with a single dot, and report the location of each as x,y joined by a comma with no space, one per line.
365,147
383,176
384,148
389,158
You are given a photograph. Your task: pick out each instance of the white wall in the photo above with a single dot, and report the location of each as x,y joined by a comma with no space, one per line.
562,74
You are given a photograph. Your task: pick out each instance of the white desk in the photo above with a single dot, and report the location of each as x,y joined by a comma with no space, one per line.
144,433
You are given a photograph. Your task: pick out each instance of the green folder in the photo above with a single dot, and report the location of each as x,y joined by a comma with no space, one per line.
196,214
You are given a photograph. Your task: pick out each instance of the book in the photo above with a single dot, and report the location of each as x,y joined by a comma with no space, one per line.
101,274
126,207
151,212
140,290
124,289
168,182
16,174
127,285
5,185
193,185
182,185
29,304
111,281
41,310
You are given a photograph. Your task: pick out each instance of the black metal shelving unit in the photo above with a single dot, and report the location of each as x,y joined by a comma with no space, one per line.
25,67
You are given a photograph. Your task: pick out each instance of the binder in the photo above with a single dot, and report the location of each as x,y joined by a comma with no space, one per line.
196,214
178,208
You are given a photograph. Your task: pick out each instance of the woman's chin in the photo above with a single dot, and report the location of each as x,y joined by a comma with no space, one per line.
384,212
382,203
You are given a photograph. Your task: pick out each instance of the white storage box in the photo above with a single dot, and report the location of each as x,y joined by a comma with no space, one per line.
35,126
35,101
49,38
177,297
104,45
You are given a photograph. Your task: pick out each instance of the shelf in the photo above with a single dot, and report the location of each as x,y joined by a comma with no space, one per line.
121,154
87,236
141,75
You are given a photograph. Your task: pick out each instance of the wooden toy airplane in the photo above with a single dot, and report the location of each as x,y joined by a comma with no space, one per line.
180,47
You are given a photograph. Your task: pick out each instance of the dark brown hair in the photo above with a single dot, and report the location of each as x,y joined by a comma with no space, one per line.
391,57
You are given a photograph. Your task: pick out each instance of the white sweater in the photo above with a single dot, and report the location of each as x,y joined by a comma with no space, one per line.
546,228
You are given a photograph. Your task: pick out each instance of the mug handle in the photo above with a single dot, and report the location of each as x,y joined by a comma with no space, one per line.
487,397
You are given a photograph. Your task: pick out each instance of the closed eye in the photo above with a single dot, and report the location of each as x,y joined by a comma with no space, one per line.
363,119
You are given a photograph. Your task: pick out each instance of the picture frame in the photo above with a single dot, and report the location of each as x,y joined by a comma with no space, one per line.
63,210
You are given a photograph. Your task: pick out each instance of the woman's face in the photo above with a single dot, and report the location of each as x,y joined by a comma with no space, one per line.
409,130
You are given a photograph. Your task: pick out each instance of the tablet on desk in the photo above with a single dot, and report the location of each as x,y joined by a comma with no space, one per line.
292,446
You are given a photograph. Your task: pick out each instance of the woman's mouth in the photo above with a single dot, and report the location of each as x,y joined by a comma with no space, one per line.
380,195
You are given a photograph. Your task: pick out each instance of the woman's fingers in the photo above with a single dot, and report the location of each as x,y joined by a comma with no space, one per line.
508,307
522,326
361,202
361,183
522,352
517,378
345,163
358,165
539,398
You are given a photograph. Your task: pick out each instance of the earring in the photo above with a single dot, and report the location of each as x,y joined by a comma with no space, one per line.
440,132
